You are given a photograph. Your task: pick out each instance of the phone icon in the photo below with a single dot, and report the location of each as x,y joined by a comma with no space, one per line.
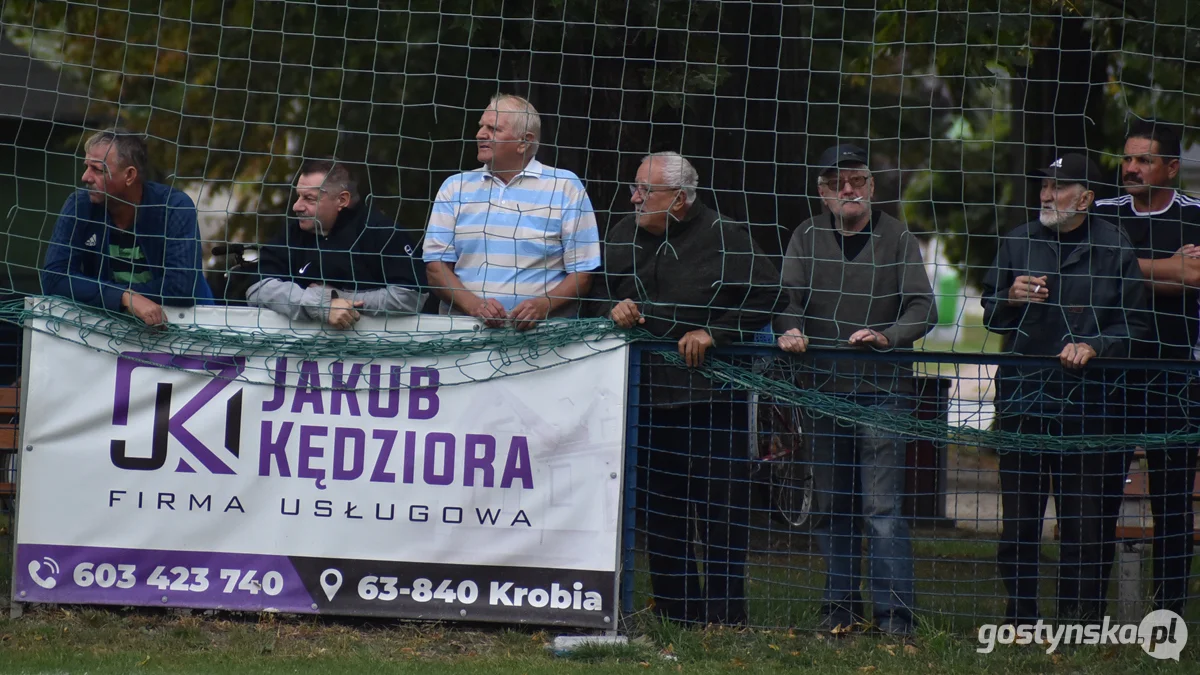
48,581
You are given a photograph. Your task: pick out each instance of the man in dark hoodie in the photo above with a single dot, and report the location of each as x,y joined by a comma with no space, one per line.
1066,286
676,269
339,258
855,280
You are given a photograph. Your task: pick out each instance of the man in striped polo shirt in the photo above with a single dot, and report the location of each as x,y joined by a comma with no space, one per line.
515,241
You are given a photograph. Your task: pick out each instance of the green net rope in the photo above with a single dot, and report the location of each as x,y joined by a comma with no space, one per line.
506,347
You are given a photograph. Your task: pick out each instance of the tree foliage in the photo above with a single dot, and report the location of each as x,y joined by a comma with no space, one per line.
1030,79
239,91
957,99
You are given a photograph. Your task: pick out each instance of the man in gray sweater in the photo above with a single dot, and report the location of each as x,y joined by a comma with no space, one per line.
855,280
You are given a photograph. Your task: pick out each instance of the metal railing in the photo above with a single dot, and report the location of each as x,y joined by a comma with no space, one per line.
952,500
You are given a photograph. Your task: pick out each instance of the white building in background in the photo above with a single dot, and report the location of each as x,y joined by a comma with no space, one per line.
214,204
1189,170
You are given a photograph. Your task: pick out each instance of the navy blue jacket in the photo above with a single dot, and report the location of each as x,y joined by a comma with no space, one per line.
165,228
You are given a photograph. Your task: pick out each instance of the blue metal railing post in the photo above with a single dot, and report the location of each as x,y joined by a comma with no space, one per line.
629,510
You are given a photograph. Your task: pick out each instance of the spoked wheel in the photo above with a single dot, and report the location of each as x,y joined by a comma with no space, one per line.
783,456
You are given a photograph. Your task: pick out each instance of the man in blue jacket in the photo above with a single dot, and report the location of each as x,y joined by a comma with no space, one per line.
122,243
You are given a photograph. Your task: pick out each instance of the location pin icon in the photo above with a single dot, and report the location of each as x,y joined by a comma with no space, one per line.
331,581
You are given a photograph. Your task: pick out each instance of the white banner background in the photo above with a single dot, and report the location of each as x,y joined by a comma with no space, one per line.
571,412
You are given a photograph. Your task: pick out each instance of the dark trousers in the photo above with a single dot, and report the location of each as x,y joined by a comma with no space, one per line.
693,461
1162,403
1081,481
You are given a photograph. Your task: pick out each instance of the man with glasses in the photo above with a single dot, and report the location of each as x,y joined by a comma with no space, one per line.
515,241
679,271
855,280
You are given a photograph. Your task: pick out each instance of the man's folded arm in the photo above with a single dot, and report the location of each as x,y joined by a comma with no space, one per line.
388,300
289,299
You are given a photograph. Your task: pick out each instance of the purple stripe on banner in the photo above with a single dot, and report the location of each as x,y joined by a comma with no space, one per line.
117,576
252,582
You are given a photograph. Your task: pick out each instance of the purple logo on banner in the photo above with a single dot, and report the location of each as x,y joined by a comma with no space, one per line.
167,425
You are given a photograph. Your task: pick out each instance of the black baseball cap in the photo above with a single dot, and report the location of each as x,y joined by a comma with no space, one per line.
1071,168
838,155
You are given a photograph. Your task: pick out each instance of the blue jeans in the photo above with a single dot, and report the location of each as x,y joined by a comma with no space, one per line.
858,479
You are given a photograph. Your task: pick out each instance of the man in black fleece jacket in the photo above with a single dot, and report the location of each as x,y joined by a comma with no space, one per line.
855,279
676,269
1067,286
339,257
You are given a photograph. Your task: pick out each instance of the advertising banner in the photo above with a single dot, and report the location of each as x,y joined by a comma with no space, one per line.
477,486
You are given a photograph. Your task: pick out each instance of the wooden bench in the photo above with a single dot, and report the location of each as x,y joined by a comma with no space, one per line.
10,406
1135,529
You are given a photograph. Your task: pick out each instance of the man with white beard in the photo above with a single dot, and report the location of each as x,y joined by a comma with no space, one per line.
1067,286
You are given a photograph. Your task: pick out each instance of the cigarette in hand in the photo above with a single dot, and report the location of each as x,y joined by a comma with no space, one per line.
1036,289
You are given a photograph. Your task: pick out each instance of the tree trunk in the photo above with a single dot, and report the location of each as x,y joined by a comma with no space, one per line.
1061,104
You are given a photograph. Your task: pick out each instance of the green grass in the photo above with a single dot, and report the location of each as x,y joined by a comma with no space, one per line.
956,590
956,593
957,586
100,641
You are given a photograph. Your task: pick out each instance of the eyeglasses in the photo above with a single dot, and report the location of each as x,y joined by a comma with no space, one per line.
643,190
856,182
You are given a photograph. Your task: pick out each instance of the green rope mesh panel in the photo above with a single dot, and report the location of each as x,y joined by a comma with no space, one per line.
508,346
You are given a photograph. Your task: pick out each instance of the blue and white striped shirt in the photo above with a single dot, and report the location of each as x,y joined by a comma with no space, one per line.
516,241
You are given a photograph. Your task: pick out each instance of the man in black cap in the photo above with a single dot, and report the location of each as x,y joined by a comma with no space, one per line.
338,258
1164,226
1066,286
855,279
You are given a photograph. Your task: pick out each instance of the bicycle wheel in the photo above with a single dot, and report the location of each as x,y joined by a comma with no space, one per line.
783,450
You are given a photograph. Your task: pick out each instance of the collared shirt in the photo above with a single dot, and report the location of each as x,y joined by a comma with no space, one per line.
516,241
